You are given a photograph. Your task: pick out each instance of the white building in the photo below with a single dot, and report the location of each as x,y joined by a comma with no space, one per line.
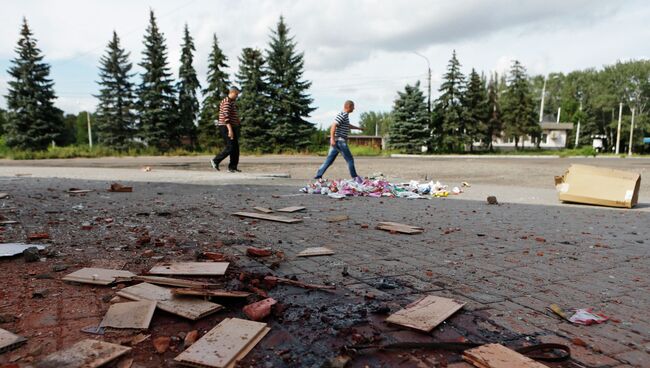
554,136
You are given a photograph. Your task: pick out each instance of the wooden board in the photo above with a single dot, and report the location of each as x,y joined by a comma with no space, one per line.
132,315
97,276
190,308
211,292
315,251
263,216
499,356
291,209
161,280
79,191
86,353
191,268
8,222
225,344
263,209
337,218
426,313
4,195
9,341
399,228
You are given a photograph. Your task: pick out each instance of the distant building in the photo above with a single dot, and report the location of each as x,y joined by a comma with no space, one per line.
374,141
554,136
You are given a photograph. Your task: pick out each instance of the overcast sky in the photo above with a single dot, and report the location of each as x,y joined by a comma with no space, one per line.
354,49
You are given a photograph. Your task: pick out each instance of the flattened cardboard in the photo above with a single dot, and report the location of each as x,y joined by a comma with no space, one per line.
97,276
426,313
315,251
263,216
9,341
191,268
599,186
291,209
86,353
129,315
225,344
190,308
498,356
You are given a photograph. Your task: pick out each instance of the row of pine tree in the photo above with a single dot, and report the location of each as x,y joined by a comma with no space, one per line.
160,110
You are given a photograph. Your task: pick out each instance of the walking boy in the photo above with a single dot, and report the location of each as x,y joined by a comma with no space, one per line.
339,132
229,128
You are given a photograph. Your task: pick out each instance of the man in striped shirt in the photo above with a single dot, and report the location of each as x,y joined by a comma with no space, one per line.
228,125
339,132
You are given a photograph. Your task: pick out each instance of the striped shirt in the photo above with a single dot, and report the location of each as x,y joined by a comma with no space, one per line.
228,112
342,125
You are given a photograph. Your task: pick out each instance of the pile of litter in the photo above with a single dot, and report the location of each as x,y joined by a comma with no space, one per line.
380,187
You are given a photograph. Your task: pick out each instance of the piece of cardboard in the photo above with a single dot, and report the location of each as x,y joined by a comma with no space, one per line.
315,251
426,313
498,356
291,209
191,269
86,353
9,341
129,315
225,344
97,276
599,186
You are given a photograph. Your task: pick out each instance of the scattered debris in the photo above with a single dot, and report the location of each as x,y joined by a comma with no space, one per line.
213,256
465,184
131,315
498,356
262,216
97,276
394,227
426,313
86,353
174,282
584,316
31,254
315,251
38,236
135,340
337,218
211,293
94,330
8,222
280,280
616,188
191,268
161,344
189,308
79,191
258,252
9,341
291,209
4,195
492,200
224,345
263,209
191,338
117,187
259,310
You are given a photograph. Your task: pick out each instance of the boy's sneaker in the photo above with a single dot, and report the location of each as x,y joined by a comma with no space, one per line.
215,165
358,179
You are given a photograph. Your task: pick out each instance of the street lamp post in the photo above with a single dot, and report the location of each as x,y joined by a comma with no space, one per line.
428,80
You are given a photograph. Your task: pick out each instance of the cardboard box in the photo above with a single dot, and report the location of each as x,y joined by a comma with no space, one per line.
599,185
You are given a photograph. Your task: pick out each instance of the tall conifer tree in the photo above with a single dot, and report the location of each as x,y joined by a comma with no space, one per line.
475,110
253,104
410,128
216,90
494,126
188,84
448,111
518,108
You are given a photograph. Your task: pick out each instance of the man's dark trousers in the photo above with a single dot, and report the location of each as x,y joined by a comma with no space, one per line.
232,147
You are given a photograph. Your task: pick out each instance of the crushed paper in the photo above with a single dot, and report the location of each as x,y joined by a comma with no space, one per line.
379,187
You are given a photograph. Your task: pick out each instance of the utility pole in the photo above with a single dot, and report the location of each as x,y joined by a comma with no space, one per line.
90,132
629,149
541,105
559,111
578,130
618,131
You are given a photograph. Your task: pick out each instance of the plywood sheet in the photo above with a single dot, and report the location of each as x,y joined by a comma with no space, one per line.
131,315
263,216
190,308
97,276
86,353
161,280
191,268
225,344
211,293
337,218
315,251
426,313
9,341
399,228
291,209
263,209
499,356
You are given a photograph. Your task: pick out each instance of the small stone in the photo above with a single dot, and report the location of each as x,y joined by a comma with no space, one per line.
59,267
161,344
191,337
44,276
492,200
7,318
31,255
147,253
39,294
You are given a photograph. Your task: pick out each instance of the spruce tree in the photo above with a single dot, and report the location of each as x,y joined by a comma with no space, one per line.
188,84
253,104
216,91
494,126
518,108
115,120
410,128
449,128
32,120
475,110
157,101
290,102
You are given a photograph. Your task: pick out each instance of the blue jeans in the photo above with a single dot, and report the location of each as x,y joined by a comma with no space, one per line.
342,147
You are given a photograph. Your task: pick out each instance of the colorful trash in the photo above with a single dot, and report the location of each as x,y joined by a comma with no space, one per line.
379,187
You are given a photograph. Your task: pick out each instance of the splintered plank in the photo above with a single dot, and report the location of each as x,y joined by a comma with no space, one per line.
263,216
169,281
9,341
426,313
97,276
337,218
191,268
189,308
224,345
499,356
315,251
86,353
212,293
263,209
79,191
399,228
130,315
291,209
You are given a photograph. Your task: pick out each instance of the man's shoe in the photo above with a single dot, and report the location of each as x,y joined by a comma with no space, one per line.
215,165
232,170
237,170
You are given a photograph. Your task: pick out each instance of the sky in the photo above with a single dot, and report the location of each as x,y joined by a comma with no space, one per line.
363,50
